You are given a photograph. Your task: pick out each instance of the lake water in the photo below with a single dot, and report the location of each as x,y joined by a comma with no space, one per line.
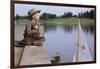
60,41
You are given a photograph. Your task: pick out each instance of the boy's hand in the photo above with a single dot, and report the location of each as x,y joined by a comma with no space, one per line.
34,31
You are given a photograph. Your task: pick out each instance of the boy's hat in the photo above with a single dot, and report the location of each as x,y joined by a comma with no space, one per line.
33,11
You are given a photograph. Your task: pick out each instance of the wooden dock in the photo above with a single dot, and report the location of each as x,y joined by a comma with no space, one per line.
18,54
34,55
31,55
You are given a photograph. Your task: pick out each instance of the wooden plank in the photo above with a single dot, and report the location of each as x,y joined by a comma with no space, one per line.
34,55
18,54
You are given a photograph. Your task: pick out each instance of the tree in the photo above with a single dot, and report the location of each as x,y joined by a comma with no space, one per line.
47,16
92,14
87,14
66,15
74,15
17,17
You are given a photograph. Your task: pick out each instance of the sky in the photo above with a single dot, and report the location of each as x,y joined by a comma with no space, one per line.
22,9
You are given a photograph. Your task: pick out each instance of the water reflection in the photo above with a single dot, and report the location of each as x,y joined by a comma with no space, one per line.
69,27
48,28
88,28
61,38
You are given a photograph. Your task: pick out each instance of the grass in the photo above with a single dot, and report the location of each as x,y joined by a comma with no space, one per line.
67,21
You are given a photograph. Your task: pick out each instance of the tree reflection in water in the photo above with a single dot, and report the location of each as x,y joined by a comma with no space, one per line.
69,27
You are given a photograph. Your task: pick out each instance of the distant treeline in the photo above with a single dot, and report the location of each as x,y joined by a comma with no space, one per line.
46,16
87,14
18,17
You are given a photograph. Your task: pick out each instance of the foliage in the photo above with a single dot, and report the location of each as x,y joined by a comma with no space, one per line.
48,16
18,17
87,14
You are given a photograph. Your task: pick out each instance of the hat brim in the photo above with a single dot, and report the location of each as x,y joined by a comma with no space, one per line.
36,12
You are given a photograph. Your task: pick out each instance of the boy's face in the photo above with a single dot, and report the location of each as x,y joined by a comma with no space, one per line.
36,16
